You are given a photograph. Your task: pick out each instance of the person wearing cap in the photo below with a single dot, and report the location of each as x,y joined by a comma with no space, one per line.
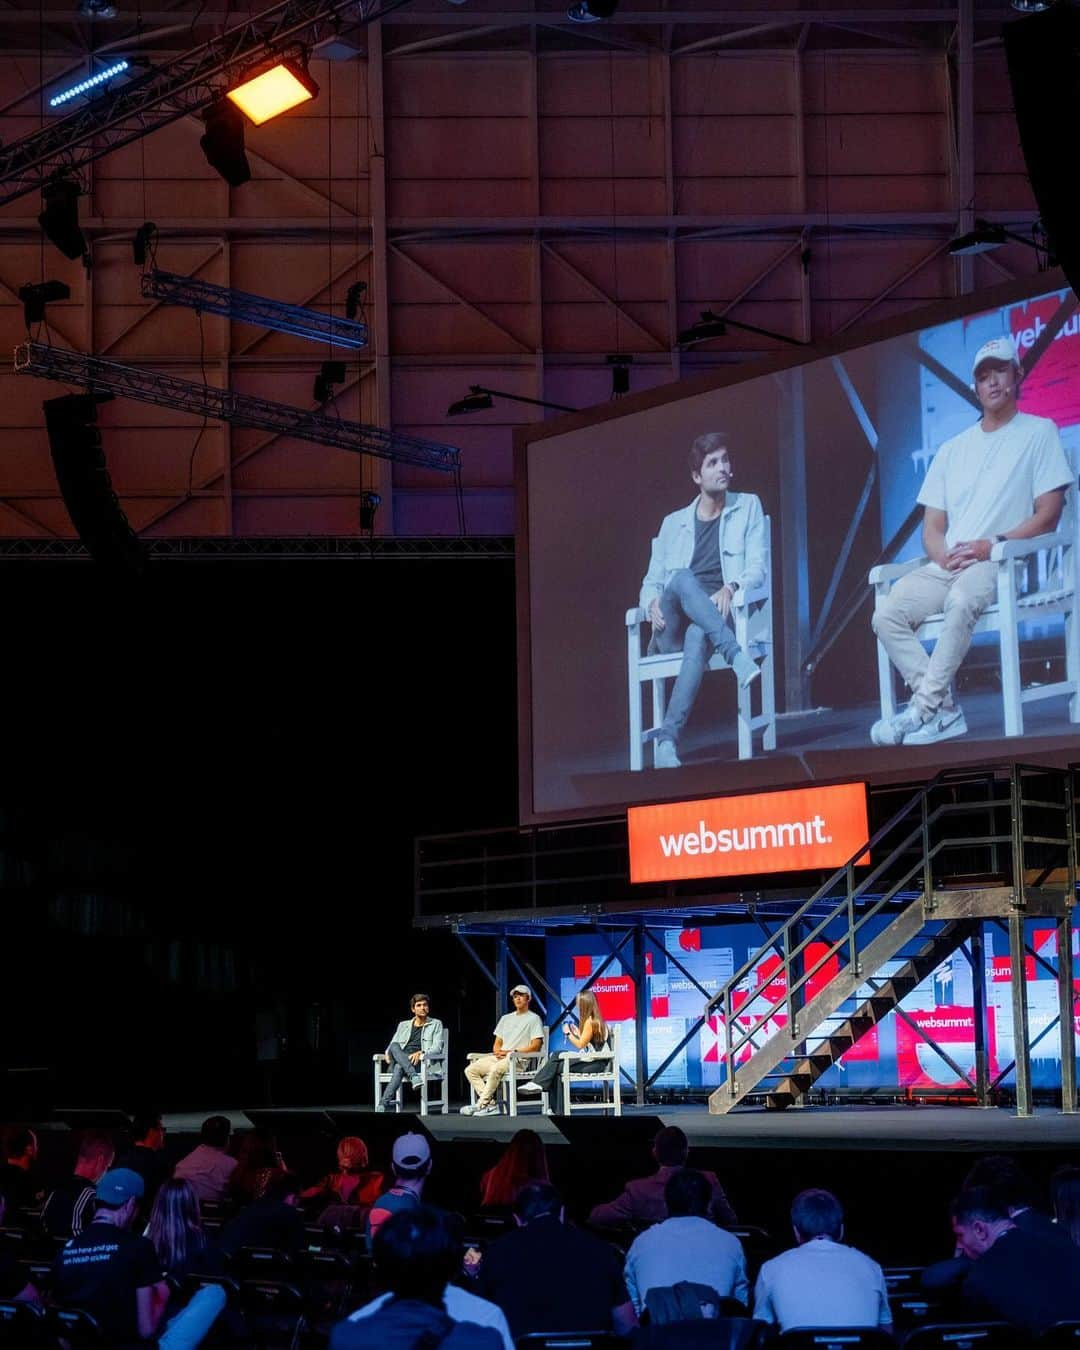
411,1161
417,1036
520,1032
115,1275
1004,477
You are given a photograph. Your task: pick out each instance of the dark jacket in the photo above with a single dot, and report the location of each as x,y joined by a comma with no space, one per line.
642,1202
406,1324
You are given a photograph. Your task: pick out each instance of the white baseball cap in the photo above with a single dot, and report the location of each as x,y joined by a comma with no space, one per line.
997,349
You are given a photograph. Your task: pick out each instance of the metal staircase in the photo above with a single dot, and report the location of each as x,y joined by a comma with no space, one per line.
881,924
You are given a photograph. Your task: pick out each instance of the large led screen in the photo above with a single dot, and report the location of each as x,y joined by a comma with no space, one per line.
899,1053
723,589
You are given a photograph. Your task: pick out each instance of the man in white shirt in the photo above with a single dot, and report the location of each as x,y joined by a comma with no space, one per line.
520,1032
821,1283
208,1167
686,1247
1003,478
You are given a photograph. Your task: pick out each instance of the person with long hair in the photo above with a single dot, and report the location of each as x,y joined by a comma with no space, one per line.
353,1183
1065,1188
522,1162
258,1160
175,1230
588,1034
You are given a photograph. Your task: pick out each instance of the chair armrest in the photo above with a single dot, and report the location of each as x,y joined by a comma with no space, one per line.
476,1054
380,1057
598,1056
1020,548
742,598
894,571
634,617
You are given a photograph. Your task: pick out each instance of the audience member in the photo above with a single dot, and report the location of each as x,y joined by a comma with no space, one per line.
352,1183
208,1166
257,1160
147,1154
14,1283
417,1253
686,1246
521,1270
523,1160
1065,1187
411,1162
115,1275
1024,1278
70,1207
642,1201
19,1178
176,1233
272,1221
821,1282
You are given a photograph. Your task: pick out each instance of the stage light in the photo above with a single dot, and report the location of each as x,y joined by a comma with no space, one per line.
60,218
1033,6
36,296
331,373
354,298
982,239
90,83
273,92
709,326
592,11
223,143
620,373
369,504
97,9
474,401
143,242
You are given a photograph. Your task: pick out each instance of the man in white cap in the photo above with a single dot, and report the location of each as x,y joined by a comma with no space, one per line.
520,1032
1002,478
411,1161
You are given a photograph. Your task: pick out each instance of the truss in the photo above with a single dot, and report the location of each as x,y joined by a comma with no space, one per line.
186,84
316,548
224,405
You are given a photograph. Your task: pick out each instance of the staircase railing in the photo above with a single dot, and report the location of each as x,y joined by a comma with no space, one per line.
905,875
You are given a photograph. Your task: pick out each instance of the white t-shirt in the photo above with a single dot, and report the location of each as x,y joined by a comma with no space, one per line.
987,481
460,1305
686,1248
518,1029
822,1284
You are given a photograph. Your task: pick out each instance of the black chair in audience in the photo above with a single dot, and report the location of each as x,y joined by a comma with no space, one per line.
14,1241
22,1326
903,1279
758,1246
719,1333
273,1310
328,1281
567,1340
38,1273
1061,1336
75,1328
836,1338
260,1262
965,1336
910,1310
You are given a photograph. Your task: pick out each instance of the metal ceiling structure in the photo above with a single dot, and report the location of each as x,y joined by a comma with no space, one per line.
522,196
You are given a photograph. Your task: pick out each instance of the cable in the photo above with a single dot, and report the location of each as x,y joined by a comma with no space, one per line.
199,436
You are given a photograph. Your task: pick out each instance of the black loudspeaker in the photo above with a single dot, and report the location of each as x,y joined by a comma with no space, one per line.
1043,54
85,485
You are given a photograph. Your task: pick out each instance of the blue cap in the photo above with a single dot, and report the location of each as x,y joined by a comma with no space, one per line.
120,1185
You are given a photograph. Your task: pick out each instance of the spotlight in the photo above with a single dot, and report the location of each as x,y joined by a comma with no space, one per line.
354,298
36,297
1033,6
592,11
331,373
60,218
273,92
474,401
97,9
91,82
982,239
223,143
369,504
709,326
620,373
143,242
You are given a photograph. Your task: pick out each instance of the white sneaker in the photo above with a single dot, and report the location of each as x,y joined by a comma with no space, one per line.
665,755
895,730
491,1110
468,1110
745,667
529,1087
943,726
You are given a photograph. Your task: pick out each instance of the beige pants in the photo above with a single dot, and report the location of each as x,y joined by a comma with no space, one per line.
962,597
485,1074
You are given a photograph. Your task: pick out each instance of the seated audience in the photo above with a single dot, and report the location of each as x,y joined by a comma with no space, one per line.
821,1282
208,1166
417,1253
523,1160
14,1284
1065,1188
19,1179
272,1221
545,1251
686,1246
115,1276
147,1154
1026,1279
411,1161
257,1160
70,1207
352,1183
642,1201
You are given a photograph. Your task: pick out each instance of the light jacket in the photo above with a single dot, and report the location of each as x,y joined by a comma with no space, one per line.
431,1035
741,541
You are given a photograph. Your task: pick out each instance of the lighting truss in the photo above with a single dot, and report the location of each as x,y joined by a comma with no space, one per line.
224,405
90,83
282,318
187,84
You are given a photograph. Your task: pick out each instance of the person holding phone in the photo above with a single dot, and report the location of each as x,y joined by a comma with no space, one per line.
589,1034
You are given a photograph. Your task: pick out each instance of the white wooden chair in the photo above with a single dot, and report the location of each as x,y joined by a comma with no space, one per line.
522,1069
752,612
601,1067
1036,578
432,1075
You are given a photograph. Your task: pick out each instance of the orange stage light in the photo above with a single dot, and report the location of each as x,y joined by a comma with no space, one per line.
273,92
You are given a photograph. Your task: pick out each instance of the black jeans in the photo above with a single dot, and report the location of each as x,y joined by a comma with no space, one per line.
549,1076
403,1068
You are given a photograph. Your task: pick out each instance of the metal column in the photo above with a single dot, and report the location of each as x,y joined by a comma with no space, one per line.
502,996
1021,1033
641,1012
978,988
1066,1015
793,511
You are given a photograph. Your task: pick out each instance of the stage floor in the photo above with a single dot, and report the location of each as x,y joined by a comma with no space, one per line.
923,1127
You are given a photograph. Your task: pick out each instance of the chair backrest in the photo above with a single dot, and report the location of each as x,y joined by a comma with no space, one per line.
567,1340
193,1283
965,1336
912,1309
836,1338
22,1325
78,1328
259,1261
272,1298
719,1333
